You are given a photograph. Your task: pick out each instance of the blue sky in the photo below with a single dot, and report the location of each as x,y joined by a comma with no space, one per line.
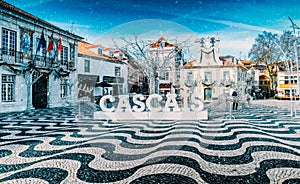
236,22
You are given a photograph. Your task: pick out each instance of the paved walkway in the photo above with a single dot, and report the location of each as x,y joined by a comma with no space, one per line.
259,144
279,103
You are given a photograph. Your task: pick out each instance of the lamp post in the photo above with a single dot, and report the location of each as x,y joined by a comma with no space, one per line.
289,69
297,70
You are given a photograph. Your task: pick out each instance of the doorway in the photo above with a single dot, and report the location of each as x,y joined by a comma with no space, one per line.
207,93
39,92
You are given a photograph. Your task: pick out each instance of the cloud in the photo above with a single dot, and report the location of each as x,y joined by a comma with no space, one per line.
240,25
70,25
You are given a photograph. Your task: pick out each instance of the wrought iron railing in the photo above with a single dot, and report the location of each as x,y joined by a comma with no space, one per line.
17,57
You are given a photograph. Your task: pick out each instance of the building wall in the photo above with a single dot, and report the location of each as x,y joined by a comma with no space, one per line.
18,21
209,77
20,93
103,68
284,86
164,56
218,84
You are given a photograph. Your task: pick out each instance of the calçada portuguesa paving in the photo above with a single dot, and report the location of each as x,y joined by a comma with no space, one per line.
260,144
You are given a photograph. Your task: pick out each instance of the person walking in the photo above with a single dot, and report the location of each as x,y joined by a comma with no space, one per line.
235,100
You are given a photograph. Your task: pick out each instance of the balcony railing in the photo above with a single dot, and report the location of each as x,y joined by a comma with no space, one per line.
16,57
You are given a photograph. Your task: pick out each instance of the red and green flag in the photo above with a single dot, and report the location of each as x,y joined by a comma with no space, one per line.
59,47
50,45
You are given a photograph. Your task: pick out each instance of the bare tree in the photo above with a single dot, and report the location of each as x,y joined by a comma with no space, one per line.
287,40
265,51
138,49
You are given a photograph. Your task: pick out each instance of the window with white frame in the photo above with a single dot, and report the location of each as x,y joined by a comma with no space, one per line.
226,76
100,51
207,77
111,53
9,39
190,75
63,88
86,65
177,73
164,74
64,55
8,88
117,71
120,89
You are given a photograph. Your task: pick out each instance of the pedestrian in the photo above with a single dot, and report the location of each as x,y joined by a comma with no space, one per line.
248,99
235,100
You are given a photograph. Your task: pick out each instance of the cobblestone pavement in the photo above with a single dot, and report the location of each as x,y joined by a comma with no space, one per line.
259,144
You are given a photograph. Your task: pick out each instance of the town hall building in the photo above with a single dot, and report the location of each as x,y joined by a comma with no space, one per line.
37,62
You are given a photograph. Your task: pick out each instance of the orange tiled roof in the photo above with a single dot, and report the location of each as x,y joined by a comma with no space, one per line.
263,76
106,48
246,62
157,43
228,63
190,63
83,48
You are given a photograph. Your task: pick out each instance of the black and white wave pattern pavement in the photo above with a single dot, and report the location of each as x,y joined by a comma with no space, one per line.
258,146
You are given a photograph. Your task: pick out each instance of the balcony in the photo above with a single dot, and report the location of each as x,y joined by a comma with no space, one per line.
19,58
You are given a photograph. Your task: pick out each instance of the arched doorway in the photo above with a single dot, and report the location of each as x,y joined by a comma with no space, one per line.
207,93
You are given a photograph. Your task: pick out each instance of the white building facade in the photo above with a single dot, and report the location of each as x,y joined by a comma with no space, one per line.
32,74
168,59
99,74
208,77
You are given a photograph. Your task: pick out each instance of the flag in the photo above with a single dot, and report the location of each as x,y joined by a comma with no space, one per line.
50,45
42,42
59,47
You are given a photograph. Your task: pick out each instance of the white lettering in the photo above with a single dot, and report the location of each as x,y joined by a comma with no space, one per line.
123,104
197,104
137,102
185,102
171,103
103,103
152,103
151,99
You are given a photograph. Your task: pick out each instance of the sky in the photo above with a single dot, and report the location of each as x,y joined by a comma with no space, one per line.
236,22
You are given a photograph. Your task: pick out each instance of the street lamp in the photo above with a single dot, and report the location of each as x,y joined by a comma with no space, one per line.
297,69
289,69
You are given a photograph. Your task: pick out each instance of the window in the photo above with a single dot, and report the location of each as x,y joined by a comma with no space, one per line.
64,55
189,76
86,66
164,75
207,77
8,88
72,55
177,73
120,89
100,51
117,71
63,88
226,76
9,42
111,53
